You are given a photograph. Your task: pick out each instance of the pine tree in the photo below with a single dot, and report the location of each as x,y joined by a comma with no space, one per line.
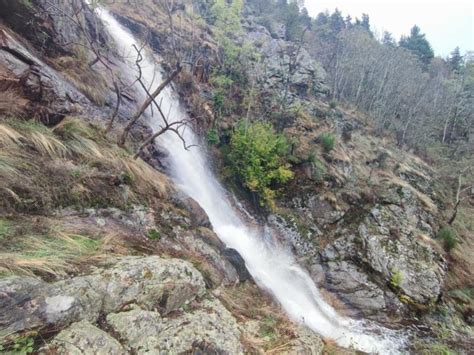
388,40
455,60
418,44
365,22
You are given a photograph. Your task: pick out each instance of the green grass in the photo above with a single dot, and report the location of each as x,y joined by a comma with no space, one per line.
5,227
268,327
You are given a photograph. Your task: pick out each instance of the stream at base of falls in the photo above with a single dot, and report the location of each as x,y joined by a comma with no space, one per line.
272,266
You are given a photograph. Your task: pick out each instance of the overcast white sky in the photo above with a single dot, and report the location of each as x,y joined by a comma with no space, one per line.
447,23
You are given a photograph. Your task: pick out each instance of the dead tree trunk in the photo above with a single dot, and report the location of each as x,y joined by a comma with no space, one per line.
146,104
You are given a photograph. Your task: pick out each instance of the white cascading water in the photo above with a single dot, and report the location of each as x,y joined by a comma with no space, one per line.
272,266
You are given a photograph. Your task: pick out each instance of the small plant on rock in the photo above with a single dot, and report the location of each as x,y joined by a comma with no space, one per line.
153,234
23,345
328,141
449,238
396,278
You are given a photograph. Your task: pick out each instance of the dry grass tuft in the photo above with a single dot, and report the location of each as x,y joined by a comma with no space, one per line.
86,79
9,136
70,165
36,250
145,177
247,302
10,105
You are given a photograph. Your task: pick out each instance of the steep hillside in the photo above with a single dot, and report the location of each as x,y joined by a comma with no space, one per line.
95,236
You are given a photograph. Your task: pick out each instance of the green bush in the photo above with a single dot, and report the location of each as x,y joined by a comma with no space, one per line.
328,141
218,101
449,238
212,137
333,104
258,157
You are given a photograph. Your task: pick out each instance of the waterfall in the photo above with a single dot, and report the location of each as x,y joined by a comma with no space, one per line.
273,267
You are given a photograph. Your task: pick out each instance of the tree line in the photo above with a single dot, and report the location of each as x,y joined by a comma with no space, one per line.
401,85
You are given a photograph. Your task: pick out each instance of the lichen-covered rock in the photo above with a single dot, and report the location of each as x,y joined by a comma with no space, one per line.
83,338
306,342
152,282
391,247
210,326
137,327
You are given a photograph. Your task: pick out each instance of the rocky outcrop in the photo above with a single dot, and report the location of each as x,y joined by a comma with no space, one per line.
285,63
130,305
45,95
370,239
83,338
50,25
152,282
210,328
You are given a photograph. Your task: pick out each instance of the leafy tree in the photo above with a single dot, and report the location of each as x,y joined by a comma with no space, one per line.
257,157
418,44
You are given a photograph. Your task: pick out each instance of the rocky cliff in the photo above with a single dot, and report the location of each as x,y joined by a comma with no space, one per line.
102,254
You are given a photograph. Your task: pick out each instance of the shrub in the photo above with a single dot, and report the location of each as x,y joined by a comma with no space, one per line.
328,141
449,238
218,99
212,137
258,156
333,104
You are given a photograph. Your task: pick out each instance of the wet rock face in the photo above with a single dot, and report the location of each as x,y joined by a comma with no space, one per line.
48,25
47,97
239,264
198,215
